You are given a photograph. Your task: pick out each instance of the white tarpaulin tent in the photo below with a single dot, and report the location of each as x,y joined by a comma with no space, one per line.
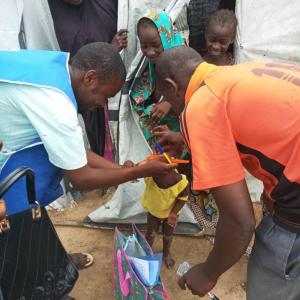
27,19
268,30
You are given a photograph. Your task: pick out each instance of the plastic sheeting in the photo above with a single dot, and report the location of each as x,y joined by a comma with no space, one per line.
33,18
10,27
268,30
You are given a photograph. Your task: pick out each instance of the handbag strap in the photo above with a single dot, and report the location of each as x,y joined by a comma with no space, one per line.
11,179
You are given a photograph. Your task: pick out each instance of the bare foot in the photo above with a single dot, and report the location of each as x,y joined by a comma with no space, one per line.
169,261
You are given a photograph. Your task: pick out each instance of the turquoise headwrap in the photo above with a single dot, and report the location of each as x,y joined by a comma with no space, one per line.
169,36
144,85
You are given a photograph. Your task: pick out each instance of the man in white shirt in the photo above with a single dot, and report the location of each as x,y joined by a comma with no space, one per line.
38,100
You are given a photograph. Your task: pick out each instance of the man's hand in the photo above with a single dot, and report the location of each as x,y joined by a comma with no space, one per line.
173,219
160,110
197,281
155,167
120,40
171,141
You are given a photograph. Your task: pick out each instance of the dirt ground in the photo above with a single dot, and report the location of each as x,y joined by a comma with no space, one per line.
95,283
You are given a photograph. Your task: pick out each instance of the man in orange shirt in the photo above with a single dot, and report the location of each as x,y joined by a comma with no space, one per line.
246,115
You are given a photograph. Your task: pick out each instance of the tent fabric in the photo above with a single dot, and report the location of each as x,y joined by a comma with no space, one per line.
125,207
38,26
10,27
268,31
33,18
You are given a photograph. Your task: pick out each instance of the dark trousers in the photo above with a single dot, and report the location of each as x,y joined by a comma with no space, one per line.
274,265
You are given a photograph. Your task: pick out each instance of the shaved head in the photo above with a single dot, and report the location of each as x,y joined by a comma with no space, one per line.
174,69
177,63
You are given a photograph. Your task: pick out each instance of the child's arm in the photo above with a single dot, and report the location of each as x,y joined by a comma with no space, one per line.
173,217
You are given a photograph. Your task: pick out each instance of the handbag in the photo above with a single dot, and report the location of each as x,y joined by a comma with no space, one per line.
33,261
126,282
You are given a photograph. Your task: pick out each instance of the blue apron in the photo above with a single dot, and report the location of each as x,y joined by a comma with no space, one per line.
41,69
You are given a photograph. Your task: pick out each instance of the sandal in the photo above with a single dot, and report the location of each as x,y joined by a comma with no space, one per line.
82,260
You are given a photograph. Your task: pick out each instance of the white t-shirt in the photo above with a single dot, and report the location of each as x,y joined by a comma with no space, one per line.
28,112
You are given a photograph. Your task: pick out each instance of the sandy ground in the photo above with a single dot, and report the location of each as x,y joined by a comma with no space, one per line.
96,282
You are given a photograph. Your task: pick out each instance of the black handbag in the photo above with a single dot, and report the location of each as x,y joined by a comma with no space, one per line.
33,261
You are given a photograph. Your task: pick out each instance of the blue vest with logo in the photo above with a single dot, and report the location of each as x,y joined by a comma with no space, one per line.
41,69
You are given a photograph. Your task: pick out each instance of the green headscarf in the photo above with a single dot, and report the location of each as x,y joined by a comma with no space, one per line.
144,85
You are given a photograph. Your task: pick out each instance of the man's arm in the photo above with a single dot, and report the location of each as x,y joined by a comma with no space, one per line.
87,177
97,161
237,223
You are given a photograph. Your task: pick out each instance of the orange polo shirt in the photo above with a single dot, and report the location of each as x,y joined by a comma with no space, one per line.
247,115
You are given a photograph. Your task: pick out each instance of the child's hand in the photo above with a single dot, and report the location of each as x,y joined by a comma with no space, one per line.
173,219
171,141
160,110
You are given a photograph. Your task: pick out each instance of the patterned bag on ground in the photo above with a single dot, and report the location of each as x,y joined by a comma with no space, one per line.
33,262
127,284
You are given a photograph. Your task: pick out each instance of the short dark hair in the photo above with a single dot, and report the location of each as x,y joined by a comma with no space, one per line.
102,57
176,62
223,17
